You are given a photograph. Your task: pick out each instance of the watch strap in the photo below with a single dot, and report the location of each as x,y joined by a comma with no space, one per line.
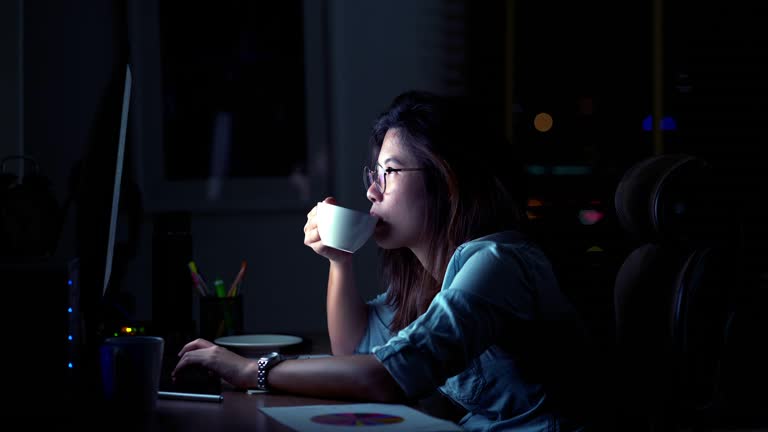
265,363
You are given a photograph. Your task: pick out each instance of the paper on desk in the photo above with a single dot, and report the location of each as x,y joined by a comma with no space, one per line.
374,416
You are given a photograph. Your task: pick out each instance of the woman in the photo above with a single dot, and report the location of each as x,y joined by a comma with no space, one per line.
472,307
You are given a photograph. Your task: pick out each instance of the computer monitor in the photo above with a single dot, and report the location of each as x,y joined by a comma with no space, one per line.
54,314
91,318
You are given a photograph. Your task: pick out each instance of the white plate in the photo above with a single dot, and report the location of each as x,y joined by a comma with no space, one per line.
257,344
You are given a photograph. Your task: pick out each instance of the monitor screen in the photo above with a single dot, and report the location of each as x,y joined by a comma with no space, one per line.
120,156
99,188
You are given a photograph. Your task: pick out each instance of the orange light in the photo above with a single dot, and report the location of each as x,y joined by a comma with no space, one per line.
542,122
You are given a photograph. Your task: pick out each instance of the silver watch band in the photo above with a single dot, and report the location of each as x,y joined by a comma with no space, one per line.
266,363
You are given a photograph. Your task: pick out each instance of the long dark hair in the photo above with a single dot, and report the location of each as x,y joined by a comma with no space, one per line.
474,183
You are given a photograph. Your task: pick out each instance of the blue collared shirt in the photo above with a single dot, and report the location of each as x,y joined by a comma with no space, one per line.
473,343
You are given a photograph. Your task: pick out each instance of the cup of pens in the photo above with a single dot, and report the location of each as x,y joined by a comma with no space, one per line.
220,316
221,306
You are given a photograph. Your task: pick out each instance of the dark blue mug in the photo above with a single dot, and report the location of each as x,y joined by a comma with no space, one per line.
130,371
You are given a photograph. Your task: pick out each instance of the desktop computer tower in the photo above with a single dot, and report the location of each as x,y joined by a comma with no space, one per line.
53,325
35,324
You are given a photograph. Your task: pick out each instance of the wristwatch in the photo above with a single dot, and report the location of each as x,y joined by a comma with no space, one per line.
265,363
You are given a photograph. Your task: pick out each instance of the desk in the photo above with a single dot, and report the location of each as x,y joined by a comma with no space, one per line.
81,410
241,411
238,411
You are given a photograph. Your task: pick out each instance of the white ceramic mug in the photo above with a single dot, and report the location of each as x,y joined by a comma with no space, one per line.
344,228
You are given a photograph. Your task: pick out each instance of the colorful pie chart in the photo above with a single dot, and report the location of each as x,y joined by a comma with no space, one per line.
357,419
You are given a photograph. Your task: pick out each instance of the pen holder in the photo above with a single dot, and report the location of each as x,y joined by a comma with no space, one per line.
220,316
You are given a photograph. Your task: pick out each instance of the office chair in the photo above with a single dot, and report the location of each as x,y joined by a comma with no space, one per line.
674,294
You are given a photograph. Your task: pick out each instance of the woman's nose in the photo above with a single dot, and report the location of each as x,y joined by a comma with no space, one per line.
373,193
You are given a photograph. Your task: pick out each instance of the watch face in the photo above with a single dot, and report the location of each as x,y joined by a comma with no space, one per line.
270,356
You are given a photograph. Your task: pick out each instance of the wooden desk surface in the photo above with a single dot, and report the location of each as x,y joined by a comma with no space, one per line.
241,411
238,411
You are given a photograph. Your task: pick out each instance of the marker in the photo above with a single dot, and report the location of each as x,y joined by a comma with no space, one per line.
238,279
198,278
218,284
190,396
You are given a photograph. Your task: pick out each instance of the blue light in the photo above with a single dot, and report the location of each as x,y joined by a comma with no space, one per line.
648,124
667,124
69,365
69,337
69,282
69,310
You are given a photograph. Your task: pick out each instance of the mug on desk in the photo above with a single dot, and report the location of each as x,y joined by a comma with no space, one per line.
130,371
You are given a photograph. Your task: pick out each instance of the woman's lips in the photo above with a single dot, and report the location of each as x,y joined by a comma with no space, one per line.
379,223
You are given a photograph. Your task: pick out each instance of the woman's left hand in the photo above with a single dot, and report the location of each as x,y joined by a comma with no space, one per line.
235,369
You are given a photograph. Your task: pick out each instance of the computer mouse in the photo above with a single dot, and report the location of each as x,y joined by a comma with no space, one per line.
195,379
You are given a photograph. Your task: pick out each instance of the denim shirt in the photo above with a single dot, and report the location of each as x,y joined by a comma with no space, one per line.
466,343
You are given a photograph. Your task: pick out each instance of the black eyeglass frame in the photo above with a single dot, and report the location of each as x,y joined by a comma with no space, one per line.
368,178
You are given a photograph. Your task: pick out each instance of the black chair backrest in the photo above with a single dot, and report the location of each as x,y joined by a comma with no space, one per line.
674,293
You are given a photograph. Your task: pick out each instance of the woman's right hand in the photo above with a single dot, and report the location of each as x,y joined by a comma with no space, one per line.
312,237
237,370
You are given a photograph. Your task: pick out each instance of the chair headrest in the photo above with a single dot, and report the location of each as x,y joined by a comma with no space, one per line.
667,197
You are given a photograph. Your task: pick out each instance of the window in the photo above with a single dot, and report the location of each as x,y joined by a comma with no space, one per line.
230,104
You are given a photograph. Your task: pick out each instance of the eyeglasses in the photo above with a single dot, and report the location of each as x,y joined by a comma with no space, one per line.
379,176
